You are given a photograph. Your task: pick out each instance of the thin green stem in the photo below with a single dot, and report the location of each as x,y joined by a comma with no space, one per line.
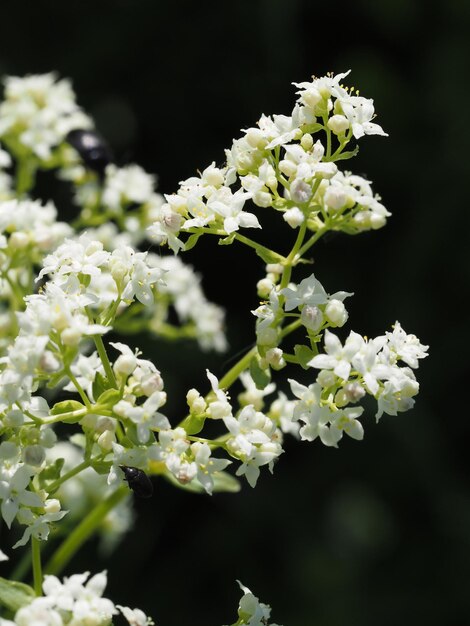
25,175
313,240
16,292
83,531
232,375
73,472
292,256
37,568
105,360
258,247
78,387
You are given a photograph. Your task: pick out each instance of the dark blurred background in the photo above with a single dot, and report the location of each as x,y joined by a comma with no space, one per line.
376,532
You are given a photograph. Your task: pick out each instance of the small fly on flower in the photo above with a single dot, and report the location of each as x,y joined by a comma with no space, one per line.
138,481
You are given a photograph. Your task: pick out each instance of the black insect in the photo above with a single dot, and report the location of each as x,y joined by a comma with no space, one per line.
138,481
92,148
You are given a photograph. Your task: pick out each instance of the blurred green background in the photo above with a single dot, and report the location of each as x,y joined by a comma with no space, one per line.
376,532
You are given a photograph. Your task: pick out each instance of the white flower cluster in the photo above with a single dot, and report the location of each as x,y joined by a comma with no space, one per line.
279,164
37,113
28,224
77,601
18,464
347,373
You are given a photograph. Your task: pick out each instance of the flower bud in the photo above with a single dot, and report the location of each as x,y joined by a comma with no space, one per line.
34,455
338,124
267,337
255,138
294,217
312,97
289,168
354,392
326,378
274,357
52,505
172,220
106,440
311,317
70,336
306,142
262,199
336,313
264,287
18,240
335,198
325,170
274,268
48,362
125,364
300,191
213,176
377,221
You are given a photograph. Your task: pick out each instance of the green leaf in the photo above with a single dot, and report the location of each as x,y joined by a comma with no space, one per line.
268,256
68,406
226,483
347,155
304,355
260,376
100,385
226,241
101,467
193,424
52,472
223,483
109,398
191,242
14,595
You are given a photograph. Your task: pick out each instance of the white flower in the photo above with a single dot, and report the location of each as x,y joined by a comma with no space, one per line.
38,111
408,348
220,407
14,493
127,184
310,291
251,611
338,357
3,556
135,617
359,112
145,416
206,465
85,369
137,275
75,257
255,441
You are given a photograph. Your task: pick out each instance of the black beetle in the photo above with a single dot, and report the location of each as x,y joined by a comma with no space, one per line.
92,148
138,481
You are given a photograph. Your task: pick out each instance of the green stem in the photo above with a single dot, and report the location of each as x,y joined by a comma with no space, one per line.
17,293
313,240
292,256
105,360
25,175
276,257
232,375
73,472
83,531
37,569
78,387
